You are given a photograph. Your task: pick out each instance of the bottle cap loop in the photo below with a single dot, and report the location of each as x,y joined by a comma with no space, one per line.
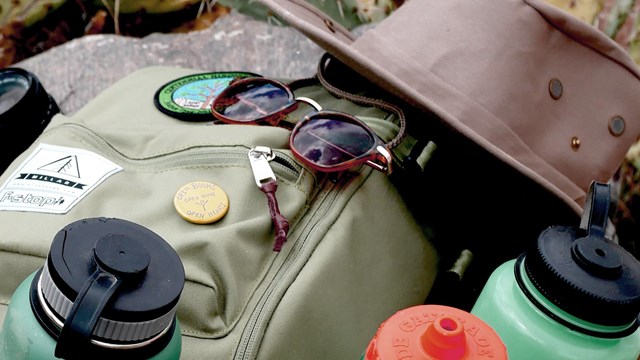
584,273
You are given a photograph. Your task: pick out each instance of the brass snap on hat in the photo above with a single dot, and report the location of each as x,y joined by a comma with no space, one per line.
201,202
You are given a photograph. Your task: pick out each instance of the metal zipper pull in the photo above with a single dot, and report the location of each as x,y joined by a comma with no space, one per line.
259,158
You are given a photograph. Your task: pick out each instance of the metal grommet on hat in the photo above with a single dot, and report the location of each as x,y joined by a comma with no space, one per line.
617,125
190,97
25,110
555,89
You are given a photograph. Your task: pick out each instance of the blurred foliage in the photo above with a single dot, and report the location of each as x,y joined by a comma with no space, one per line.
616,18
348,13
29,27
27,12
627,208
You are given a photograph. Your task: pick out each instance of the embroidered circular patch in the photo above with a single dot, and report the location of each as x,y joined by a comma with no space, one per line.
189,98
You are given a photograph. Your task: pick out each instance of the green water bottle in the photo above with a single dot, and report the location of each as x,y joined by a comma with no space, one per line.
109,289
574,295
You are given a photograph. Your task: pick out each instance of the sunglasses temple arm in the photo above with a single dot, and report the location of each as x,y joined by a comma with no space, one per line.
386,155
309,101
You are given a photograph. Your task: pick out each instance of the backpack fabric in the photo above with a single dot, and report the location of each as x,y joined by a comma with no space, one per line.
354,254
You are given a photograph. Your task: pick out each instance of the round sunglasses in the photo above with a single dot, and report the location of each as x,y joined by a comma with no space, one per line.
325,140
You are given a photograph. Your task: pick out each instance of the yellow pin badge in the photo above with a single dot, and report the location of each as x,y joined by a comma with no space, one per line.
201,202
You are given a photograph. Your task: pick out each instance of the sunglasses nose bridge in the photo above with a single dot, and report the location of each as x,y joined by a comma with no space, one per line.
281,114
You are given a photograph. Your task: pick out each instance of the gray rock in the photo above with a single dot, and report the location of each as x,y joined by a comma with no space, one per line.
75,72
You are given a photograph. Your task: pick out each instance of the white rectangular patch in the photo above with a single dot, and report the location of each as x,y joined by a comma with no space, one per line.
53,179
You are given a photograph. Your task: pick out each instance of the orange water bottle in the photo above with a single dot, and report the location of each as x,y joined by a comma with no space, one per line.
435,332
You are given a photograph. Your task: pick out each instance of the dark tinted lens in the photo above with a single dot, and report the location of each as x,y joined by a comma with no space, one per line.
252,101
328,142
12,90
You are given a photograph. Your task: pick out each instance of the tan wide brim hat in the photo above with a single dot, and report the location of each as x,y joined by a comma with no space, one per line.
541,90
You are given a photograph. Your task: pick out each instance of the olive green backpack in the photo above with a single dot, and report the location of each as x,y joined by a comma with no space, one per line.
354,255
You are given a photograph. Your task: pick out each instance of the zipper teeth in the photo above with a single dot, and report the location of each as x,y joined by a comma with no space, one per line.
286,168
247,345
286,162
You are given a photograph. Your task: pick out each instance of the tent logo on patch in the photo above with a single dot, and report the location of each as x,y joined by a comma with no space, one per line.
67,165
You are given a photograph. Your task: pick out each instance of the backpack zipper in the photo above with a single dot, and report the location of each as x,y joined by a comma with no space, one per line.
327,197
326,206
259,158
284,165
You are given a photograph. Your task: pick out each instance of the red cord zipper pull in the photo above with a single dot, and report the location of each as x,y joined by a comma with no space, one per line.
259,158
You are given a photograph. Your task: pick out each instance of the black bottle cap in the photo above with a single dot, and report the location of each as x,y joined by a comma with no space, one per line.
25,110
109,289
152,272
584,273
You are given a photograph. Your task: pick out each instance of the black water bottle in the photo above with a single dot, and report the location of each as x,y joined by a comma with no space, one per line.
25,110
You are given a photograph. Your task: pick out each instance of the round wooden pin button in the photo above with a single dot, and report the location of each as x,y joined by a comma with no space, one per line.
201,202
